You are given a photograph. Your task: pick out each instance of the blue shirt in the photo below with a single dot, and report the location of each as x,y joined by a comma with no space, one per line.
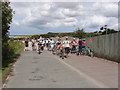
80,42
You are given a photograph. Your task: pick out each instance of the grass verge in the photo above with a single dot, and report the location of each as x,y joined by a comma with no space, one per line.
16,47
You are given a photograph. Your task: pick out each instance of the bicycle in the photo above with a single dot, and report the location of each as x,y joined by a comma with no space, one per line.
48,48
40,48
33,47
73,49
87,51
62,53
54,50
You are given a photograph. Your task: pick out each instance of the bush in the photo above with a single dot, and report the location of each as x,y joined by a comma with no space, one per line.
12,50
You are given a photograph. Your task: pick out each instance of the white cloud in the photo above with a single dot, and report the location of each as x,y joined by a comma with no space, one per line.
107,9
90,16
16,23
71,13
95,22
64,0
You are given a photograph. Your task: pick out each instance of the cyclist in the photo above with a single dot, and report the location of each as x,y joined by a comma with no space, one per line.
79,46
51,44
41,45
33,44
74,44
47,41
57,46
48,45
26,44
66,43
58,43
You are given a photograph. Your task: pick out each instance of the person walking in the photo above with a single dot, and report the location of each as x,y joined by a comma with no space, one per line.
79,46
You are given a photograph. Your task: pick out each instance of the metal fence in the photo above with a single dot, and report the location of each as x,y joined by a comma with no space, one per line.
106,46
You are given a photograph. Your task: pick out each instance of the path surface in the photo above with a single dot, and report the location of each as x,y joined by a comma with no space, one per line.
101,70
48,71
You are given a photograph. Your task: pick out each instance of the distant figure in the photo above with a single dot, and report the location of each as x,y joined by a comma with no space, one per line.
26,45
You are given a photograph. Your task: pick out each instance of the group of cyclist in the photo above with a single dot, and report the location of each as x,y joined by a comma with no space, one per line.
71,46
57,45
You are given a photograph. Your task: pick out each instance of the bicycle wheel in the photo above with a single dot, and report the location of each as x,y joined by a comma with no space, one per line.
62,55
91,54
83,52
39,51
53,51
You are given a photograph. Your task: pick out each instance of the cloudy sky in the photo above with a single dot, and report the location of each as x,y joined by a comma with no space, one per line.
43,17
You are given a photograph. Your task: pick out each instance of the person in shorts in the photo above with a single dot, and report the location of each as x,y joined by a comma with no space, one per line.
79,46
66,43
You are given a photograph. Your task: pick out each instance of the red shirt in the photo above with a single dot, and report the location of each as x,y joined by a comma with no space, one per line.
84,43
74,43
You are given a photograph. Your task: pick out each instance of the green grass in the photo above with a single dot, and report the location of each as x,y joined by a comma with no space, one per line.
16,48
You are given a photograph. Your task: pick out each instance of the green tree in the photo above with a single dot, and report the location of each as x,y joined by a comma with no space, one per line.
109,31
79,33
7,13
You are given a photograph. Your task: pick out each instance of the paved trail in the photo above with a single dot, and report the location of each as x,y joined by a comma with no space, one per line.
48,71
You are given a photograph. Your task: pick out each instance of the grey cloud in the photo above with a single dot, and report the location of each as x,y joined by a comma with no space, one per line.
107,9
70,5
54,15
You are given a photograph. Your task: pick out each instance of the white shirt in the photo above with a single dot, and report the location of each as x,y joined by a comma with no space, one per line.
46,41
52,42
33,40
66,43
43,42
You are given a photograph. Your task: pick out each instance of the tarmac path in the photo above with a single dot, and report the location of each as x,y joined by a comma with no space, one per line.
49,71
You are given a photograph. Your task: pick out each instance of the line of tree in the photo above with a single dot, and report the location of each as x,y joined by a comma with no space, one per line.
77,33
109,31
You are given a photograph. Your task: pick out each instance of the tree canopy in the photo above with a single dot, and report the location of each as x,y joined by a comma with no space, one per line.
7,14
